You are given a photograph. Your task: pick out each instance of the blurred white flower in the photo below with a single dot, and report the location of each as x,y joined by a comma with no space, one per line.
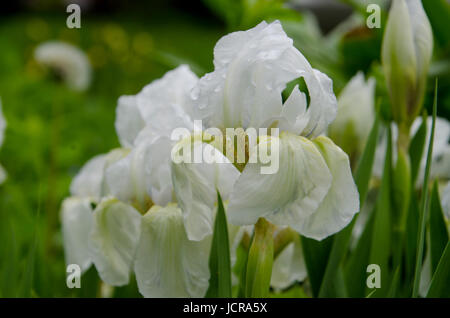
313,192
289,267
440,164
3,174
406,55
67,61
355,115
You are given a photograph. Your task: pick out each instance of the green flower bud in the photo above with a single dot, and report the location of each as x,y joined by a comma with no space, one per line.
406,54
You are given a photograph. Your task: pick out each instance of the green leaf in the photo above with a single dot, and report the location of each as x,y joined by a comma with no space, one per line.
381,235
394,284
438,229
401,189
440,283
424,202
91,284
239,269
355,269
293,292
364,172
371,293
9,275
342,239
416,148
411,236
219,259
316,256
27,280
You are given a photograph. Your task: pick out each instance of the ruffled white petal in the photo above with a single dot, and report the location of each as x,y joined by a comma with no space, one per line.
323,106
129,121
90,181
196,186
289,267
167,263
293,114
143,176
245,87
164,104
76,219
342,200
126,179
113,240
288,196
252,69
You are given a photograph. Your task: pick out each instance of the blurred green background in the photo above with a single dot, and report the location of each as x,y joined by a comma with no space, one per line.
52,131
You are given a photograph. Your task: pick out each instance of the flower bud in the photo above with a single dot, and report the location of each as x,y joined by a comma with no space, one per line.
406,54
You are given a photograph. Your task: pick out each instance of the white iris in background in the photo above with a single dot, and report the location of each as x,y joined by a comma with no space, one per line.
2,134
440,164
355,115
313,191
66,61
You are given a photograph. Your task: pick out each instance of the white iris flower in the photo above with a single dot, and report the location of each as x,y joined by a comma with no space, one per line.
67,61
313,191
136,224
135,210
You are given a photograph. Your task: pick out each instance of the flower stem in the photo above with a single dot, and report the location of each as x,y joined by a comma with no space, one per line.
260,260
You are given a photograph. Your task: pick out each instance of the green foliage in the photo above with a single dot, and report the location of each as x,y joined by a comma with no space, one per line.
424,202
437,229
438,12
316,257
381,236
219,258
341,240
440,283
